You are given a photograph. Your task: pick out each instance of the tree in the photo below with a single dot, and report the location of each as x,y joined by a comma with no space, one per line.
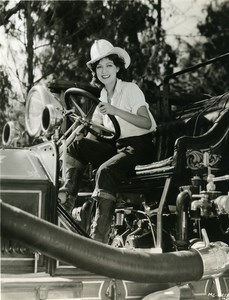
60,34
6,95
74,25
216,31
212,79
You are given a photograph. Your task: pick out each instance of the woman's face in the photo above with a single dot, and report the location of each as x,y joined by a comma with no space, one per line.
106,71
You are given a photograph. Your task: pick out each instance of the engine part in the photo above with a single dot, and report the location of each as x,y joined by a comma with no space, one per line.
182,206
222,203
215,257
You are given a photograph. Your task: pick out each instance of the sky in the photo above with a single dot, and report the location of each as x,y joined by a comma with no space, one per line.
179,18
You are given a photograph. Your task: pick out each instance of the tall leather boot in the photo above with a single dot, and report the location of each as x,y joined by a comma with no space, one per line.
102,222
68,192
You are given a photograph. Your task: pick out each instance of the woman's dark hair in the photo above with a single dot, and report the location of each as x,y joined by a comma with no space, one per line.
118,61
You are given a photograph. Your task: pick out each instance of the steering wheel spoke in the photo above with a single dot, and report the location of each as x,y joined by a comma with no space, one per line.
85,118
77,108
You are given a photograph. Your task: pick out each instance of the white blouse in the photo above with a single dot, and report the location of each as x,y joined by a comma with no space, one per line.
129,97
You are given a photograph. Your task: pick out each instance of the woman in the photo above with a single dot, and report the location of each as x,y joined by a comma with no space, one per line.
117,161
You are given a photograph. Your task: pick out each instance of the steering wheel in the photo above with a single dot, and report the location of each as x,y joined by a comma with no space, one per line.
83,119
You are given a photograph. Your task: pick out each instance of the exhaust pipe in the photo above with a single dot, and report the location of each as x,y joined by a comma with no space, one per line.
102,259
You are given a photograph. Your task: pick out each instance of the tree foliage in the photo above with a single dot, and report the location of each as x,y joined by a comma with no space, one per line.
5,89
59,35
73,26
6,95
212,79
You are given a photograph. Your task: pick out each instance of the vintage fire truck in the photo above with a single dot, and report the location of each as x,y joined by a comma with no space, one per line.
170,231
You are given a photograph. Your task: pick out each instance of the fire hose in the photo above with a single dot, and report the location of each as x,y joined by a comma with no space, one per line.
92,256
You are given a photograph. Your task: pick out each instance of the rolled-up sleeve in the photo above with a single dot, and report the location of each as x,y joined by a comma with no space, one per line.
135,97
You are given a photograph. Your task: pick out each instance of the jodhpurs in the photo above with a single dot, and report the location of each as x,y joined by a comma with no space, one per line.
115,162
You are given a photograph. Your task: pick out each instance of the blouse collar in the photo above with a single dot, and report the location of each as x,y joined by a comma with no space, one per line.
103,95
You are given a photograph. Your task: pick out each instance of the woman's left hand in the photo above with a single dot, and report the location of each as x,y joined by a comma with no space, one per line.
106,108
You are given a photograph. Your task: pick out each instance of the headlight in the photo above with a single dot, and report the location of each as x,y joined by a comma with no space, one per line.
38,98
10,133
51,119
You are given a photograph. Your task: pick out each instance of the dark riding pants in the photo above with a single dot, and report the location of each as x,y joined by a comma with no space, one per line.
115,162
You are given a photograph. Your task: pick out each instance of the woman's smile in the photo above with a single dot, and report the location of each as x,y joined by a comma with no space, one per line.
106,71
105,76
